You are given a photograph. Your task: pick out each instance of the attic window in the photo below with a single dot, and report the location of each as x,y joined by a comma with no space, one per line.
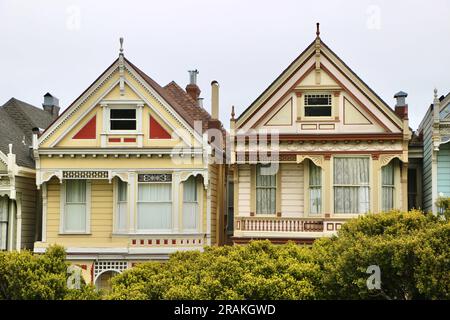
123,119
318,105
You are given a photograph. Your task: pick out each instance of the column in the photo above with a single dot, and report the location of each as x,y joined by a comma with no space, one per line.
327,188
132,200
375,187
176,179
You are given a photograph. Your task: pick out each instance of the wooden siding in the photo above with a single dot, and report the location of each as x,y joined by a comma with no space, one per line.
30,209
292,190
443,168
244,190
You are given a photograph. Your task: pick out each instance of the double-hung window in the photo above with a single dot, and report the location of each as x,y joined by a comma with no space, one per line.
387,186
154,206
351,185
75,206
122,205
122,119
315,188
318,105
266,186
190,204
3,222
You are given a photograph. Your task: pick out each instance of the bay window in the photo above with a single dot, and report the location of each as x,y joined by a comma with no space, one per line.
351,185
154,206
387,186
190,204
265,190
122,205
315,188
75,208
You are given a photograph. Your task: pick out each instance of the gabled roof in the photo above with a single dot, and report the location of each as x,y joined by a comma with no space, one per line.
303,57
172,93
17,119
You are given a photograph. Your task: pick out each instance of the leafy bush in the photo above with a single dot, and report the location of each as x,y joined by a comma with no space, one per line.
412,251
443,206
259,270
25,276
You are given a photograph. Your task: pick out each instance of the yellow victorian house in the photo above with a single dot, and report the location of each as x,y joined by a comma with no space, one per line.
128,172
316,148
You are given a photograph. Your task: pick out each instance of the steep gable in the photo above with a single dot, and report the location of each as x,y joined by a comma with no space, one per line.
318,74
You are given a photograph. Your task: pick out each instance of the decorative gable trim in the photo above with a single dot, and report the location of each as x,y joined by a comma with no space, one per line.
157,131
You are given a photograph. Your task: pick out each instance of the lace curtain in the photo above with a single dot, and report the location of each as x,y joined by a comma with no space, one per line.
265,191
75,206
351,185
154,206
315,188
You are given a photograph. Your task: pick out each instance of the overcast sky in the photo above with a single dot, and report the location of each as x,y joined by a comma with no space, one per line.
62,46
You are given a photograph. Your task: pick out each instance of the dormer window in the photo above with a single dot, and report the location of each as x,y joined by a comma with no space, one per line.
318,105
122,119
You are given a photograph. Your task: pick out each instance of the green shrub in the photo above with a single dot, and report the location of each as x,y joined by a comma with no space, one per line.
25,276
412,251
259,270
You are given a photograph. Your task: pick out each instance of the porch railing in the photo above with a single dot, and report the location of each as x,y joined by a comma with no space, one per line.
279,224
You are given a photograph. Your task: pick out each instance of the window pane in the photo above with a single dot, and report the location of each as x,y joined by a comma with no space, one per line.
75,217
190,216
157,192
315,174
351,171
317,111
122,190
265,190
75,191
123,124
154,216
123,114
121,216
154,208
387,174
3,235
315,200
190,189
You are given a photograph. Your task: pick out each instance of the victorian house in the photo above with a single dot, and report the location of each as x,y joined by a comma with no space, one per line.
128,173
433,142
19,197
316,148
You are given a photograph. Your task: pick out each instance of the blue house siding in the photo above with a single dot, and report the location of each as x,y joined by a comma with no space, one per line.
443,175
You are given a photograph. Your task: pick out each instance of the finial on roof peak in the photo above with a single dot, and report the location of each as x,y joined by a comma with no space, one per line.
232,113
318,29
435,93
121,45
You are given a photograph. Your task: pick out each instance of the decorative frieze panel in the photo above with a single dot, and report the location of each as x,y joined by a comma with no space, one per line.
306,146
155,177
4,182
167,242
85,175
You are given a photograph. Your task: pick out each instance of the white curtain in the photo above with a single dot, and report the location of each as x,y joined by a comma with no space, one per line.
351,185
3,222
190,204
315,188
387,182
122,205
75,206
154,206
265,191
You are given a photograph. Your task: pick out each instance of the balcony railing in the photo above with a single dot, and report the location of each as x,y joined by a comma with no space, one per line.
279,224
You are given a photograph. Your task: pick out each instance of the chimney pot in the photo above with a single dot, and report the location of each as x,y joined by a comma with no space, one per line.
192,88
51,105
401,108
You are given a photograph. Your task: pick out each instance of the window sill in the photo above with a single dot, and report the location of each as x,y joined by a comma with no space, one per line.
74,233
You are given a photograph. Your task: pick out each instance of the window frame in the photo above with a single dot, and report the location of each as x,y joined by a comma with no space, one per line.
368,185
304,99
117,202
197,202
63,211
111,105
275,186
4,203
391,187
319,186
154,231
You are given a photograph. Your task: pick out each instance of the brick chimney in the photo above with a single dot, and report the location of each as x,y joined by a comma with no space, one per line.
192,88
51,105
401,108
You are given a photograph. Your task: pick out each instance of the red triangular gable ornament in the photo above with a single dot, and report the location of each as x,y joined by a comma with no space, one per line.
88,131
157,131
